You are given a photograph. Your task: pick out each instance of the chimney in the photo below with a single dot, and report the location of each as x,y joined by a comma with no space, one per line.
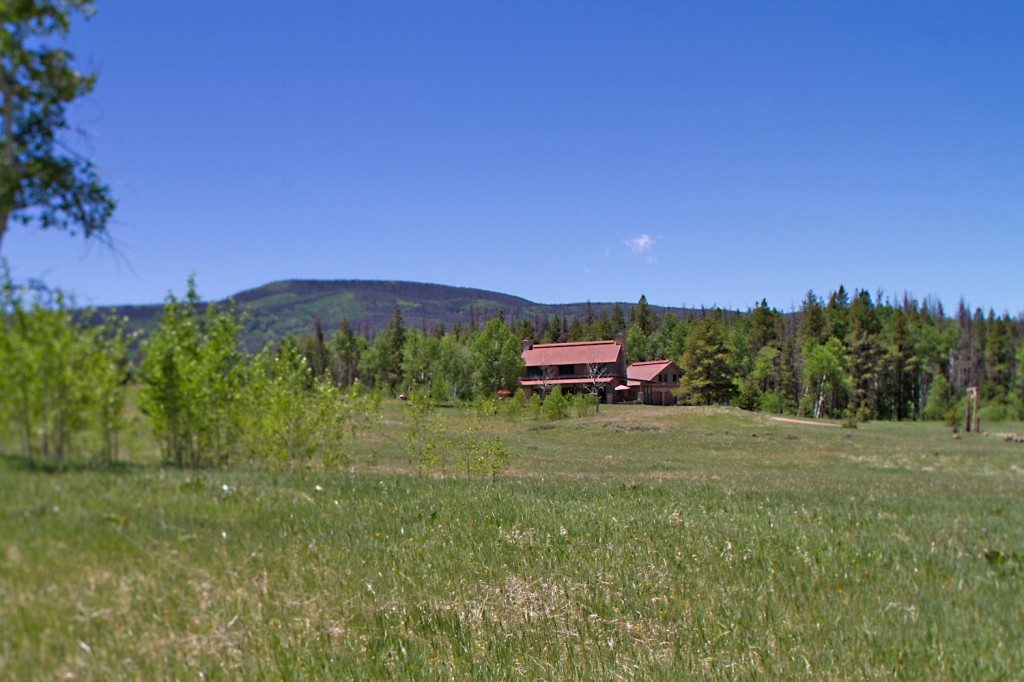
527,344
620,339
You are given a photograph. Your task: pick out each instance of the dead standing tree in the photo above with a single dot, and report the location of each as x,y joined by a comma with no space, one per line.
546,377
595,372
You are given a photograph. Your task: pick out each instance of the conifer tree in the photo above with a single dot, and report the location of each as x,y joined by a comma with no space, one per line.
707,375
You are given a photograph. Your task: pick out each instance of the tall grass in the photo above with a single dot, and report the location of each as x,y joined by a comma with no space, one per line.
641,543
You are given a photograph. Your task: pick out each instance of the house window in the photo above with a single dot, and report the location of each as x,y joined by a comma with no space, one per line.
566,370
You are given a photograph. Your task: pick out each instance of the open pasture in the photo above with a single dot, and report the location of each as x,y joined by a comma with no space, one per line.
642,542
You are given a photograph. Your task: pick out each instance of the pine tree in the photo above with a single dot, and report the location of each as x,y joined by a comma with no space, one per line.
765,326
707,373
644,317
836,313
863,351
617,321
812,321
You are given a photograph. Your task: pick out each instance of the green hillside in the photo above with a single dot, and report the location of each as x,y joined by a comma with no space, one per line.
291,307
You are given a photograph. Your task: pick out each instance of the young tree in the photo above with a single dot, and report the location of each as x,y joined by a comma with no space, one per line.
191,369
420,359
41,181
348,350
825,377
454,367
60,378
498,358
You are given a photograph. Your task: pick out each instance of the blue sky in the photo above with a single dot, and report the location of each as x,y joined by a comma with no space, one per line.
701,153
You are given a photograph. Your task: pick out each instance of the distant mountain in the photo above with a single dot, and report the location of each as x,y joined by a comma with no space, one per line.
291,306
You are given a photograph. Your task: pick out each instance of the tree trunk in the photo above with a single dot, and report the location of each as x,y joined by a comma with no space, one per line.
7,163
4,215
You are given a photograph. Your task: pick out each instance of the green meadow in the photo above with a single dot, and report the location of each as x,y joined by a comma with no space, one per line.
649,543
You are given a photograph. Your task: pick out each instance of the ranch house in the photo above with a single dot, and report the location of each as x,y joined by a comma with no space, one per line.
581,367
597,366
654,382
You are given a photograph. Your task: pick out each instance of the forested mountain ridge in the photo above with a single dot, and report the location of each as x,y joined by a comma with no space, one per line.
285,307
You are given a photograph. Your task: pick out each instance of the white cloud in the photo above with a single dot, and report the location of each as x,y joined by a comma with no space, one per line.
641,244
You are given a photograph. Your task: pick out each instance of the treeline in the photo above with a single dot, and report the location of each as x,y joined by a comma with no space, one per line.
844,356
65,377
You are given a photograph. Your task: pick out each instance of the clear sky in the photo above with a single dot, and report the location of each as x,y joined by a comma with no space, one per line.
701,153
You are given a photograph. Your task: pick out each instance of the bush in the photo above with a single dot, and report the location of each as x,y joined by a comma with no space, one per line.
535,408
747,395
955,414
584,405
513,407
555,406
997,410
773,402
939,400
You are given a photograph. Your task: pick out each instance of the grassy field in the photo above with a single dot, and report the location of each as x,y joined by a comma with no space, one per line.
643,543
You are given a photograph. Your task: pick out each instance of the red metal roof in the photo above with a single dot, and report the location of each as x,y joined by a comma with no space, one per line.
580,353
648,371
562,382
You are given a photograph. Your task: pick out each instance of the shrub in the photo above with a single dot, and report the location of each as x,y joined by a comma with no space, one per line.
939,399
584,404
555,406
535,407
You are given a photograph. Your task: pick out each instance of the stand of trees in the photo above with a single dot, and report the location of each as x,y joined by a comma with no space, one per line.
845,356
64,376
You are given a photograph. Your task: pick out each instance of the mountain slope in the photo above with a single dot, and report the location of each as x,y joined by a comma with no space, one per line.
291,307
